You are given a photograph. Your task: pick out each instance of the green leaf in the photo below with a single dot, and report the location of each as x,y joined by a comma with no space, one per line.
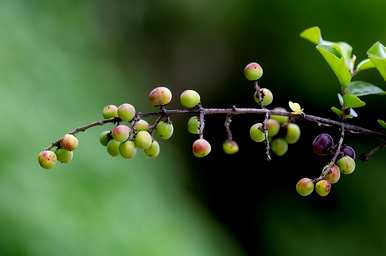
340,98
345,51
360,88
337,64
352,101
312,34
365,64
337,111
377,55
382,123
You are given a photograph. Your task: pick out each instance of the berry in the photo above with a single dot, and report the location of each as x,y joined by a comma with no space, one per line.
279,146
160,96
126,112
322,144
141,125
253,71
127,149
230,147
69,142
64,156
105,137
113,147
110,111
280,119
194,125
266,96
164,130
333,174
143,140
273,127
323,187
293,133
305,186
256,132
348,151
346,165
47,159
153,150
120,133
201,148
189,99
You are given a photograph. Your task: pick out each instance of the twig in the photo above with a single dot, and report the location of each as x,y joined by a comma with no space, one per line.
227,124
265,128
202,121
366,156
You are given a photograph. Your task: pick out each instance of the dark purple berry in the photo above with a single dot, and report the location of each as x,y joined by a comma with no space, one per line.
348,151
322,144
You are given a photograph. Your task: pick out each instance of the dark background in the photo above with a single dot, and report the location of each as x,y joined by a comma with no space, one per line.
62,61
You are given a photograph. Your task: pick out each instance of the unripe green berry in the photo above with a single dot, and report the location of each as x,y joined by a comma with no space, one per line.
323,187
153,150
164,130
266,96
127,149
293,133
69,142
64,156
256,132
105,137
279,146
253,71
201,148
190,98
160,96
47,159
126,112
333,174
305,186
346,165
141,125
280,119
110,111
120,133
273,127
230,147
194,125
143,140
113,147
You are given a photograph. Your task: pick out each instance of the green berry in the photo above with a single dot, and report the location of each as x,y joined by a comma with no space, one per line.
346,165
305,186
230,147
105,137
47,159
201,148
273,127
323,187
333,175
279,146
280,119
189,98
110,111
69,142
194,125
164,130
253,71
256,132
293,133
113,147
153,150
160,96
120,133
141,125
64,156
266,95
143,140
127,149
126,112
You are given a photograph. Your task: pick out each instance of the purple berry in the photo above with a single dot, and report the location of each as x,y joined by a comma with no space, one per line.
348,151
322,144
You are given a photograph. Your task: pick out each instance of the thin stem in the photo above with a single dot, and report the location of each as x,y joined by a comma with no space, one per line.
227,124
366,156
265,128
202,121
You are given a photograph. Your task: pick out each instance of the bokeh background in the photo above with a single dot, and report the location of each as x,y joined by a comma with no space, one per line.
62,61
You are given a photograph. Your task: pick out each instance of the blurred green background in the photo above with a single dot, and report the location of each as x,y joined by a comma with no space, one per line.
62,61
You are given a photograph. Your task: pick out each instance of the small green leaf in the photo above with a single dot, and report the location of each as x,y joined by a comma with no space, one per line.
312,34
377,55
337,111
360,88
345,50
365,64
382,123
337,64
340,98
352,101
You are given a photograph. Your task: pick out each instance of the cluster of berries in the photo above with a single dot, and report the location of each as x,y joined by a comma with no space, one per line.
323,145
